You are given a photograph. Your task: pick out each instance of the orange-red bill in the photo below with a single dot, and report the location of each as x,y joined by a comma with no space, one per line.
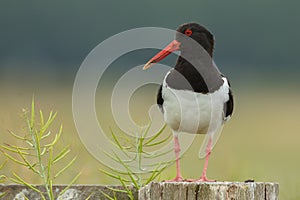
173,46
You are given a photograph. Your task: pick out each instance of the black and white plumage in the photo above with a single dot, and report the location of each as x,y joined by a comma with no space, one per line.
194,96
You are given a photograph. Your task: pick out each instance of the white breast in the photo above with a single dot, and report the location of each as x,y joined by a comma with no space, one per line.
191,112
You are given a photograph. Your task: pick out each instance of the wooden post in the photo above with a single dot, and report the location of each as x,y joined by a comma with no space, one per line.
154,191
209,191
75,192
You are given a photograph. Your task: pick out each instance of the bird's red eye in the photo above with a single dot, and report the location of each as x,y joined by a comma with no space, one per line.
188,32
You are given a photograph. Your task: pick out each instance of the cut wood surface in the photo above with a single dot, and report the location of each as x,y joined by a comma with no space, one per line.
209,191
155,191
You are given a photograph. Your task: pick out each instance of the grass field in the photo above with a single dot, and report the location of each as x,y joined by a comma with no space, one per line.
260,142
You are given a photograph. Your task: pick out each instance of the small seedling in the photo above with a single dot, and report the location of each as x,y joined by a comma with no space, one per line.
2,177
36,154
137,148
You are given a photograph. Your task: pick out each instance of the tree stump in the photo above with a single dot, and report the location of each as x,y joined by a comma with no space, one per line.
209,191
153,191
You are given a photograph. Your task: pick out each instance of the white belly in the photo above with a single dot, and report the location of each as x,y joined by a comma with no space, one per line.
187,111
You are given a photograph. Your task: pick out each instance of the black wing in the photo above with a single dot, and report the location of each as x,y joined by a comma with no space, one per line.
228,108
159,99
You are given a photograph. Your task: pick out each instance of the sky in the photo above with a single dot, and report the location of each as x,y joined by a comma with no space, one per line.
254,39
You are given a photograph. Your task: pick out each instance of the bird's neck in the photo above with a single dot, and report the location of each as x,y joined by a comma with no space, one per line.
188,54
192,60
200,66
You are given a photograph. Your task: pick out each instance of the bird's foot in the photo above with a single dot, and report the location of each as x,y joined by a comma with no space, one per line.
176,179
201,179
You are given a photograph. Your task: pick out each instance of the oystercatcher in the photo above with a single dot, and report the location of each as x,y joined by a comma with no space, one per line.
195,97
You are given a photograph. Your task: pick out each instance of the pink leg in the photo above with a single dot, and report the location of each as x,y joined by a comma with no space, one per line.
203,177
208,152
177,154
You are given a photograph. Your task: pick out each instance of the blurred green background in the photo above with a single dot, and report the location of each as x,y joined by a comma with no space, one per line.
42,44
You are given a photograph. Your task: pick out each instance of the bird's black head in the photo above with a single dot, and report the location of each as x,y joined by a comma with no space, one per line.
182,43
198,33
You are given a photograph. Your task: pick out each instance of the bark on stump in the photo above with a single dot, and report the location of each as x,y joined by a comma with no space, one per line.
209,191
154,191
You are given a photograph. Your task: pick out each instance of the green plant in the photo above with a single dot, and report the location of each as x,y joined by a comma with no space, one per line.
36,153
135,150
2,177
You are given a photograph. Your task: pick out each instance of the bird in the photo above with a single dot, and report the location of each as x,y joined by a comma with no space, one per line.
194,97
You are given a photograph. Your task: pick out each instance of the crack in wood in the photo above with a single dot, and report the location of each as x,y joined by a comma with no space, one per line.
197,192
265,192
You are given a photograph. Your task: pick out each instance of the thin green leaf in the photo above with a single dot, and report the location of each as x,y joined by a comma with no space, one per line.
2,165
133,180
37,143
155,173
116,190
30,144
50,120
42,123
2,194
21,181
147,130
123,163
49,164
130,173
107,196
57,136
90,196
15,160
115,159
156,135
27,162
159,142
124,149
155,155
42,118
115,139
21,148
61,154
2,178
113,175
50,193
32,114
44,151
24,196
127,139
66,167
11,149
118,144
129,192
117,171
46,135
53,142
16,136
70,184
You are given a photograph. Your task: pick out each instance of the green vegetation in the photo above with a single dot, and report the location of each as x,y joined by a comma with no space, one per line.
136,149
2,177
36,152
